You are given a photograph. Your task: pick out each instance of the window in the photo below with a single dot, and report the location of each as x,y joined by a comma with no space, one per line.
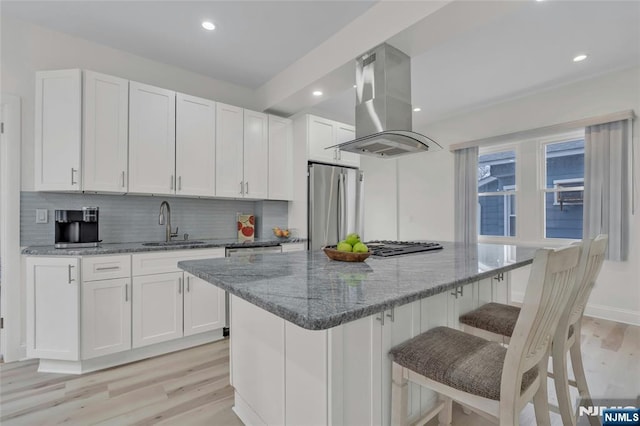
496,193
532,190
564,188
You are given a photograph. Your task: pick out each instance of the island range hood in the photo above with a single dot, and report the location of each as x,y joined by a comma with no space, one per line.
383,107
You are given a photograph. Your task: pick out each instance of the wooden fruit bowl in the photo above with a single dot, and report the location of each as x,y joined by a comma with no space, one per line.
344,256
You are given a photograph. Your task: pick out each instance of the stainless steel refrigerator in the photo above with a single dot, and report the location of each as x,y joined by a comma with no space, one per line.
335,204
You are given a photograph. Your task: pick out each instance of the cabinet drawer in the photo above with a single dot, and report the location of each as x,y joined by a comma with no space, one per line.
106,267
165,262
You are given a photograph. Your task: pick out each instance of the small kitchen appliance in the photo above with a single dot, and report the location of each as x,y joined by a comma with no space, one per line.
77,228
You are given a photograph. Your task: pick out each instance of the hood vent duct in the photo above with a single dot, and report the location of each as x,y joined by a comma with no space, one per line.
383,107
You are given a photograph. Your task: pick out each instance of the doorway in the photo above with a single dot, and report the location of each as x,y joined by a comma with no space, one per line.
12,345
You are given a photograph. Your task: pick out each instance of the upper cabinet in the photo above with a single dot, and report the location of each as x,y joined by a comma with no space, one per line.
323,133
152,136
280,158
58,130
195,146
106,126
99,133
256,154
242,146
229,151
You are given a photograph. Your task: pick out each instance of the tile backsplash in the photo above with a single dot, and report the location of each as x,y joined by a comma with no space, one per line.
132,218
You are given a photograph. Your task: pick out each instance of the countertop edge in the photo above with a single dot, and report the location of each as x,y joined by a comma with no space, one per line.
335,320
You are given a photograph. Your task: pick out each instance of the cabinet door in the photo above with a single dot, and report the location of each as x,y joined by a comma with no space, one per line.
321,134
256,154
229,151
152,119
280,158
157,308
53,308
106,317
203,306
346,133
195,146
106,126
401,324
58,133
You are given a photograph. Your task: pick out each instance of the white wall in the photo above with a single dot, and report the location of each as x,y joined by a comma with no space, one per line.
425,181
27,48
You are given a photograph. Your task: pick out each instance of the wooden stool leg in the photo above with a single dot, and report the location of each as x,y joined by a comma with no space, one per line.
399,396
561,382
541,398
578,372
446,414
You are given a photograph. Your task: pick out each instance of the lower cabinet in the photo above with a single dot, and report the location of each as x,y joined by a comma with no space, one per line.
204,307
157,308
53,308
106,317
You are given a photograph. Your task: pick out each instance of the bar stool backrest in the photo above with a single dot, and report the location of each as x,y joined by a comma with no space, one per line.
551,283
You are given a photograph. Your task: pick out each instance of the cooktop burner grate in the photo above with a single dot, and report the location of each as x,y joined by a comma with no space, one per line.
387,248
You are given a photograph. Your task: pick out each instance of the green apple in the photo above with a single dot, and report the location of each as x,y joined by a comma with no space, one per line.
360,248
344,246
353,239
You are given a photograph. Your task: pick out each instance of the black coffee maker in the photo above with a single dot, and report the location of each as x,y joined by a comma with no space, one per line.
77,228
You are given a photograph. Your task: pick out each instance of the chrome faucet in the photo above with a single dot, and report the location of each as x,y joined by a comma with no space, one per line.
161,220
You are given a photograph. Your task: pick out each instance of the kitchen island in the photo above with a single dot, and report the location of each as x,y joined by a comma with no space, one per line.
310,336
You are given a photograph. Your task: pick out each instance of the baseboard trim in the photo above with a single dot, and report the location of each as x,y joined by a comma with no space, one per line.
605,312
244,411
137,354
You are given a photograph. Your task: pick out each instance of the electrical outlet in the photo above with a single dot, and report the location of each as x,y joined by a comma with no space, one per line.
42,216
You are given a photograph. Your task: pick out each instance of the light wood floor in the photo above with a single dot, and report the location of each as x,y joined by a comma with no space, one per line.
191,387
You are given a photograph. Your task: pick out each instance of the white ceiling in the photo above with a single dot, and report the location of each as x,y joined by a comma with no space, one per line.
252,42
462,58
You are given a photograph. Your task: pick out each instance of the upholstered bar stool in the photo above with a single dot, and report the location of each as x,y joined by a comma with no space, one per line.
495,321
494,381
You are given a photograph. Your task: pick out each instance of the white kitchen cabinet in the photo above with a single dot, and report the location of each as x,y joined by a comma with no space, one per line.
256,155
195,146
58,130
106,317
323,133
229,151
157,308
105,137
346,133
280,158
53,308
204,308
291,247
152,124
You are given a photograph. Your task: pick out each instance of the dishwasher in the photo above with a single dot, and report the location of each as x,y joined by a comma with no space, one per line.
244,252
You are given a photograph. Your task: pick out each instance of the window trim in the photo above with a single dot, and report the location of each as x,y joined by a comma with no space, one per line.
530,179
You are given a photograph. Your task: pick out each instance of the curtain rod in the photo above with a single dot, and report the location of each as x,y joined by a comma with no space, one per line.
547,130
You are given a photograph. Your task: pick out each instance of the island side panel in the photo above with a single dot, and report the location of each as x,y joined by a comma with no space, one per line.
258,344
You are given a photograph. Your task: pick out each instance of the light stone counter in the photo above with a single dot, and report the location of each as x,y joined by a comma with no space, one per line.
316,293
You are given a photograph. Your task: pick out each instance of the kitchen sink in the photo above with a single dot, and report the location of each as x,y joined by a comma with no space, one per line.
173,243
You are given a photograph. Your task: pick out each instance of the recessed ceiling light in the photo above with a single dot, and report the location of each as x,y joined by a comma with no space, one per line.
355,85
417,109
317,93
208,25
539,0
579,58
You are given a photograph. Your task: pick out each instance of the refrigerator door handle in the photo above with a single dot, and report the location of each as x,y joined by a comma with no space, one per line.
340,206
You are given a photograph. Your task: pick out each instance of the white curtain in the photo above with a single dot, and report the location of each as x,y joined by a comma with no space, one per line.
606,186
466,195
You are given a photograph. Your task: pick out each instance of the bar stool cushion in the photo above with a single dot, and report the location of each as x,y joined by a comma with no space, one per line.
459,360
497,318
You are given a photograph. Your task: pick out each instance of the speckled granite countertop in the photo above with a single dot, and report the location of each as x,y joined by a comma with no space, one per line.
316,293
115,248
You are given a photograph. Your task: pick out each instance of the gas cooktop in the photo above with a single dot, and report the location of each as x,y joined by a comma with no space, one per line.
396,248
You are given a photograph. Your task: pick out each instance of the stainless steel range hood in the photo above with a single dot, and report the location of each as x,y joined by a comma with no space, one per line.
383,107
